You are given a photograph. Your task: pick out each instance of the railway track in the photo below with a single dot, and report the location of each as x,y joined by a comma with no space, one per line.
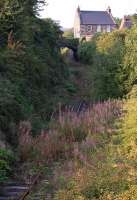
12,190
20,191
77,107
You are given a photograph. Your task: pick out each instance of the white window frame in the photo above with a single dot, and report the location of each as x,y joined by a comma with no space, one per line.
108,28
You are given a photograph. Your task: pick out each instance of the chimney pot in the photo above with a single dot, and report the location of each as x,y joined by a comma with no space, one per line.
109,10
78,9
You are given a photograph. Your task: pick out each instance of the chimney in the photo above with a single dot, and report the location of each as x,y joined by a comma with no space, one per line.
109,10
78,9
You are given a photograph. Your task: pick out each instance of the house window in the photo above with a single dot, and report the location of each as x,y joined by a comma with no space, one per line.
89,28
108,28
99,28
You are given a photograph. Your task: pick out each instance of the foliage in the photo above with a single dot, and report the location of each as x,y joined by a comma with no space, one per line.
129,127
71,137
32,71
71,43
108,73
99,153
130,59
6,161
112,58
118,21
69,129
107,172
87,52
134,19
100,165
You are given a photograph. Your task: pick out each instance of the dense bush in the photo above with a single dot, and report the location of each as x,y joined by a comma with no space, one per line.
87,51
113,61
32,72
130,59
6,161
129,129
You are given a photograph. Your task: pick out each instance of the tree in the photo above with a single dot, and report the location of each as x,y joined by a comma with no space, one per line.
118,21
105,54
134,19
130,58
31,66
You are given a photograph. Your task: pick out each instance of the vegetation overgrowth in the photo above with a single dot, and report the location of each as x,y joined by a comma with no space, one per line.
112,57
74,138
7,160
92,153
33,75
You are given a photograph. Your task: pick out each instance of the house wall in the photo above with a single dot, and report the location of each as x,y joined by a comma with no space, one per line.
91,30
126,23
77,25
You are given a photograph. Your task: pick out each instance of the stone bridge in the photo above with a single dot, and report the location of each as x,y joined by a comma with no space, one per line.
70,44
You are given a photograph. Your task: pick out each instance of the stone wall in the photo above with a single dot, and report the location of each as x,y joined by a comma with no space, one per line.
90,30
77,25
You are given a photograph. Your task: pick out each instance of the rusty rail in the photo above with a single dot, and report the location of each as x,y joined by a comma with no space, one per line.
23,197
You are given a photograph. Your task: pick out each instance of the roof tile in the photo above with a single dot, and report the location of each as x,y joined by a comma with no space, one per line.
96,17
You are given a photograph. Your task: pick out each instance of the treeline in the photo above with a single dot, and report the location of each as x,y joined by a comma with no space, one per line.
32,72
113,62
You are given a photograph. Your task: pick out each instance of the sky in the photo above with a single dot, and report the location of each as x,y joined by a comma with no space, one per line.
64,10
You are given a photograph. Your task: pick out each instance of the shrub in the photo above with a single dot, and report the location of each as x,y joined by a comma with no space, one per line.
86,52
70,128
32,70
6,161
44,148
97,174
69,195
108,56
124,152
112,58
81,140
98,118
130,59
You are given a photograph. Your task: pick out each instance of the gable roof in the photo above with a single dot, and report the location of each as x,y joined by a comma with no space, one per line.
96,17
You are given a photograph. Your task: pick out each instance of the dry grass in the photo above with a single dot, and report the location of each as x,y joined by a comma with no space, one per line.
70,131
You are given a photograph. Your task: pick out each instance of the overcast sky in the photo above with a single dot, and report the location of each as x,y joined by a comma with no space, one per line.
64,10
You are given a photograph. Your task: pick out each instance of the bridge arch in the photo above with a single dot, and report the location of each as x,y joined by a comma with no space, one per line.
70,44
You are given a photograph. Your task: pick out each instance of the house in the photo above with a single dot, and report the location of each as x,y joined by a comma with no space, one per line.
87,23
126,23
